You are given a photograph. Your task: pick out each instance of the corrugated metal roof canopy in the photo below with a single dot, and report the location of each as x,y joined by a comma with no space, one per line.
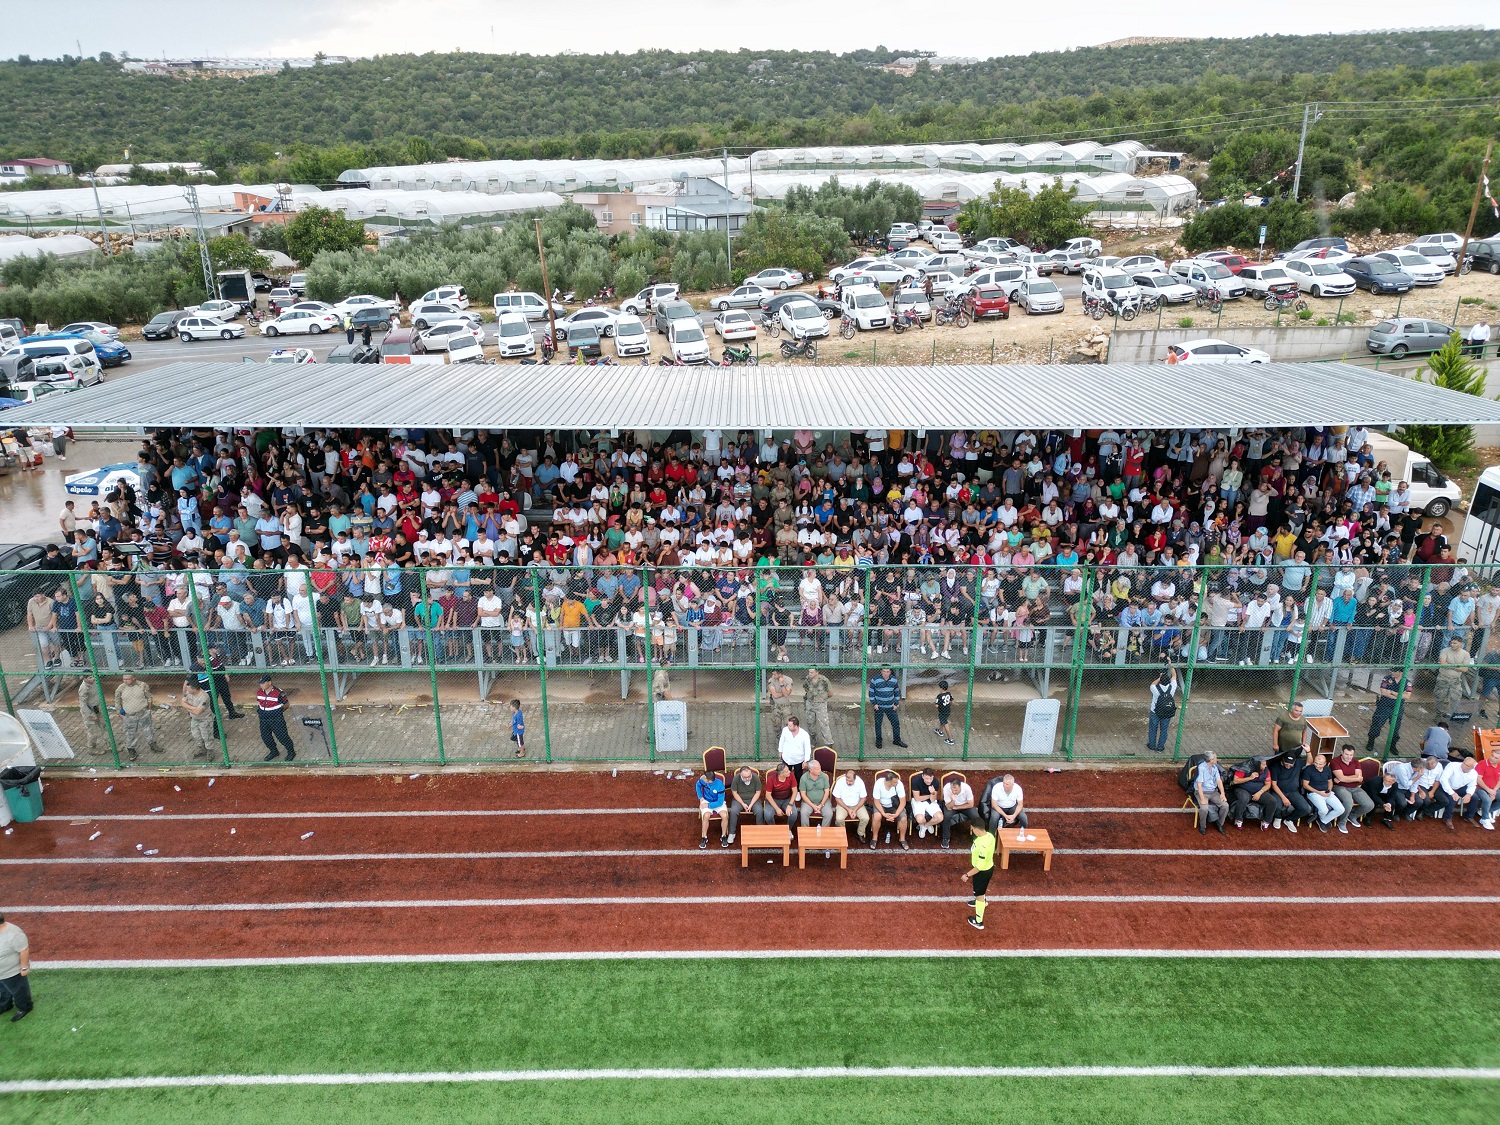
537,396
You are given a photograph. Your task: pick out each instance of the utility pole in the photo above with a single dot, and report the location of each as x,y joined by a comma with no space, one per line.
728,249
1484,170
1311,115
546,285
210,283
99,207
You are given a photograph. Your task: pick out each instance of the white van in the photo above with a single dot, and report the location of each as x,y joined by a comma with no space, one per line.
1432,494
449,295
67,372
529,305
513,335
868,309
40,347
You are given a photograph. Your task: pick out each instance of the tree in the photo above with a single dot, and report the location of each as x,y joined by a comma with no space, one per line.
801,241
317,230
1450,447
1049,218
234,252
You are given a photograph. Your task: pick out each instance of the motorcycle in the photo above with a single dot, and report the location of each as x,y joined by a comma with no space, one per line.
908,319
563,298
1282,297
668,361
734,357
549,349
1210,299
847,327
1467,264
807,348
771,325
605,294
251,316
951,312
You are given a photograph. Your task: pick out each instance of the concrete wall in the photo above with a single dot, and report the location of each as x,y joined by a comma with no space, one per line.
1288,344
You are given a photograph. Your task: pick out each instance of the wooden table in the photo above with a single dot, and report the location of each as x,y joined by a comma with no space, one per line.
1323,734
1038,841
830,839
776,836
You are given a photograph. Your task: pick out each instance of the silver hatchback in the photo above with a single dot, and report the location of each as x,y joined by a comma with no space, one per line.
1399,335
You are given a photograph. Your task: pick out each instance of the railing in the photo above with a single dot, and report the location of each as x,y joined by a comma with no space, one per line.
726,657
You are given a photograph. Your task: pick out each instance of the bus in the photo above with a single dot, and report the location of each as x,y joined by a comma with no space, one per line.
1480,543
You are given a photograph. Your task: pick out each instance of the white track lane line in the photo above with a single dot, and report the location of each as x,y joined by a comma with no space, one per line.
769,955
407,814
718,1074
745,900
732,852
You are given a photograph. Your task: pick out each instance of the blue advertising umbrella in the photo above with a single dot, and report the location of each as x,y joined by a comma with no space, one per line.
101,481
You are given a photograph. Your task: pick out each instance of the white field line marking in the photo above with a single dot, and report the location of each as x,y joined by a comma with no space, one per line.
732,852
674,1074
408,814
745,900
768,955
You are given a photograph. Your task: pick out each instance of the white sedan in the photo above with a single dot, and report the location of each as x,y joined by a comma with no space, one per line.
1214,351
435,337
750,295
775,278
1143,263
859,265
596,316
301,322
734,324
207,328
219,310
1419,269
292,355
1164,285
359,303
1319,278
90,326
802,319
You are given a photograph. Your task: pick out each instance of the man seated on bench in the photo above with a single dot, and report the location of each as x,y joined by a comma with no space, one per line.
890,806
958,800
1425,786
850,802
815,796
1007,805
711,804
926,808
744,800
1397,781
780,797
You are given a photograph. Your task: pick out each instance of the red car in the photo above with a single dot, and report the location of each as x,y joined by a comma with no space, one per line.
990,300
1232,262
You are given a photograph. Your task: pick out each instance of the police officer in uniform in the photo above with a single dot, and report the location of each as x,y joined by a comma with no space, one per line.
270,705
1388,707
816,691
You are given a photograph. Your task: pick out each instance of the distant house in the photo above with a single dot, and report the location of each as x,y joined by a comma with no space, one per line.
20,169
688,203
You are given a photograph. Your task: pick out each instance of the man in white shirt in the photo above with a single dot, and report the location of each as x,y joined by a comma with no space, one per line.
794,746
850,802
1456,790
889,798
959,807
1007,805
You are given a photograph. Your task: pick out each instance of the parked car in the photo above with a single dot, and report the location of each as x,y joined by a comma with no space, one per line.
630,336
1319,254
658,294
374,316
948,283
803,319
747,296
1202,274
912,256
668,311
29,391
1214,351
292,355
775,278
1446,239
513,335
1378,275
1090,246
991,300
210,328
435,337
66,372
889,273
859,265
298,322
313,307
1069,261
92,326
297,283
1234,263
599,316
1110,284
398,342
944,240
1142,263
1261,279
163,326
262,283
907,231
911,300
868,308
687,343
954,263
1009,278
1324,243
1436,253
1319,278
111,353
281,297
221,310
353,353
1421,270
1039,295
583,339
735,324
1172,290
447,294
424,314
1400,335
1486,254
530,305
464,349
361,302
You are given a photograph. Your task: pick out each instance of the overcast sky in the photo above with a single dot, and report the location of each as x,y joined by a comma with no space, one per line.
152,28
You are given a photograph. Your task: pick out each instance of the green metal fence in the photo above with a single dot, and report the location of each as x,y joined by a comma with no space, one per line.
422,666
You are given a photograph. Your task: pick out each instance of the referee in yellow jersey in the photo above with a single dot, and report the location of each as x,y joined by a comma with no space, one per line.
982,856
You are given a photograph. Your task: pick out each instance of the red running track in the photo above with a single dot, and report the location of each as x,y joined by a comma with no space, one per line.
532,919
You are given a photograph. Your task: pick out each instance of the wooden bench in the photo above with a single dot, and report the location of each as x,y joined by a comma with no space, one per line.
1038,841
775,836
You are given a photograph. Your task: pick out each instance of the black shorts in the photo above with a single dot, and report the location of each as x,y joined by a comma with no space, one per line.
944,714
982,881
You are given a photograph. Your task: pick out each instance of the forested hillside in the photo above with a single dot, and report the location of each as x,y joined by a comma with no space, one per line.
405,107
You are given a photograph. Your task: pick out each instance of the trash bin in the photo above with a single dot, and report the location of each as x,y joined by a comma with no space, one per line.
23,791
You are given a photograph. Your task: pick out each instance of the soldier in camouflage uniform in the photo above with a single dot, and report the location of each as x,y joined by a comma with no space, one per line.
816,691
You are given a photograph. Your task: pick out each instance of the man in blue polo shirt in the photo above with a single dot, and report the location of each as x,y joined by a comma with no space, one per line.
711,804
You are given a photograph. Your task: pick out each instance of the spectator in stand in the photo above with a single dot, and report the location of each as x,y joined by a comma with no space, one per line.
1252,787
1425,788
1394,797
926,802
850,802
959,807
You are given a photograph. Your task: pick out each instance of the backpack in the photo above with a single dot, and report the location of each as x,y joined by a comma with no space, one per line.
1164,706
